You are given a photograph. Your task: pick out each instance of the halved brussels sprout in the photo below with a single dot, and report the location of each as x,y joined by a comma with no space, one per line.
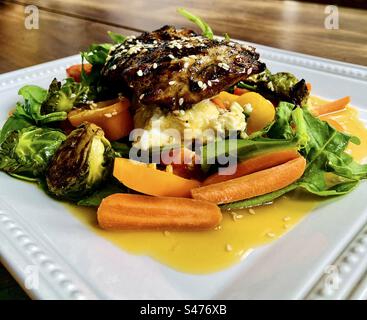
81,164
281,86
25,153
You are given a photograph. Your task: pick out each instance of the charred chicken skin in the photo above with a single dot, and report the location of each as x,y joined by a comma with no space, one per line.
176,68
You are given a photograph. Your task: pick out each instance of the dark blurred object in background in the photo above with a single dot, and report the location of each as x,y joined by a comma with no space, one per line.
360,4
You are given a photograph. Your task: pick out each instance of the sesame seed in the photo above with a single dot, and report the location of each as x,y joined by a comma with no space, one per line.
141,96
247,108
249,71
251,211
287,218
155,65
181,101
223,65
209,83
228,247
200,84
108,115
171,83
139,73
270,234
113,67
171,56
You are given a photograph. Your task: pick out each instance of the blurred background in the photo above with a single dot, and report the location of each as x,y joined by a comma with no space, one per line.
69,26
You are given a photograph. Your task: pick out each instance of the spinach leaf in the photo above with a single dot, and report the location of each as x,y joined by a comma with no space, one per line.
281,128
95,199
120,149
34,97
260,200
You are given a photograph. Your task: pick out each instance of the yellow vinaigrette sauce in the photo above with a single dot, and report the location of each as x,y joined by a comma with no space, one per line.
240,231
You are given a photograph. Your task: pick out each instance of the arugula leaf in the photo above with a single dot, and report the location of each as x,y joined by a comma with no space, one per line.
97,53
344,165
315,181
227,37
325,154
116,37
205,28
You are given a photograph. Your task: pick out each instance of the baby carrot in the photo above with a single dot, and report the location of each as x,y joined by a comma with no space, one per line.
309,86
138,212
261,162
252,185
330,107
240,91
218,102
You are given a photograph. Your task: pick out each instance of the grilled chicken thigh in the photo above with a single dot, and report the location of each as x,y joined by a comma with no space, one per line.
175,68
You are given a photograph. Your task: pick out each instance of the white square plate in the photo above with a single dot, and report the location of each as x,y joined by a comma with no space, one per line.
75,263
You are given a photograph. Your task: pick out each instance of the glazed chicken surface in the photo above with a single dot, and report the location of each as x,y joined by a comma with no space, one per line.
175,68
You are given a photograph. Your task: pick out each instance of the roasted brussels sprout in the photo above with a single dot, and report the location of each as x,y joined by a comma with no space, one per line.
63,97
25,153
281,86
81,164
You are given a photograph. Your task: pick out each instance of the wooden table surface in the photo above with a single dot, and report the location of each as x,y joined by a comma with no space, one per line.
69,26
